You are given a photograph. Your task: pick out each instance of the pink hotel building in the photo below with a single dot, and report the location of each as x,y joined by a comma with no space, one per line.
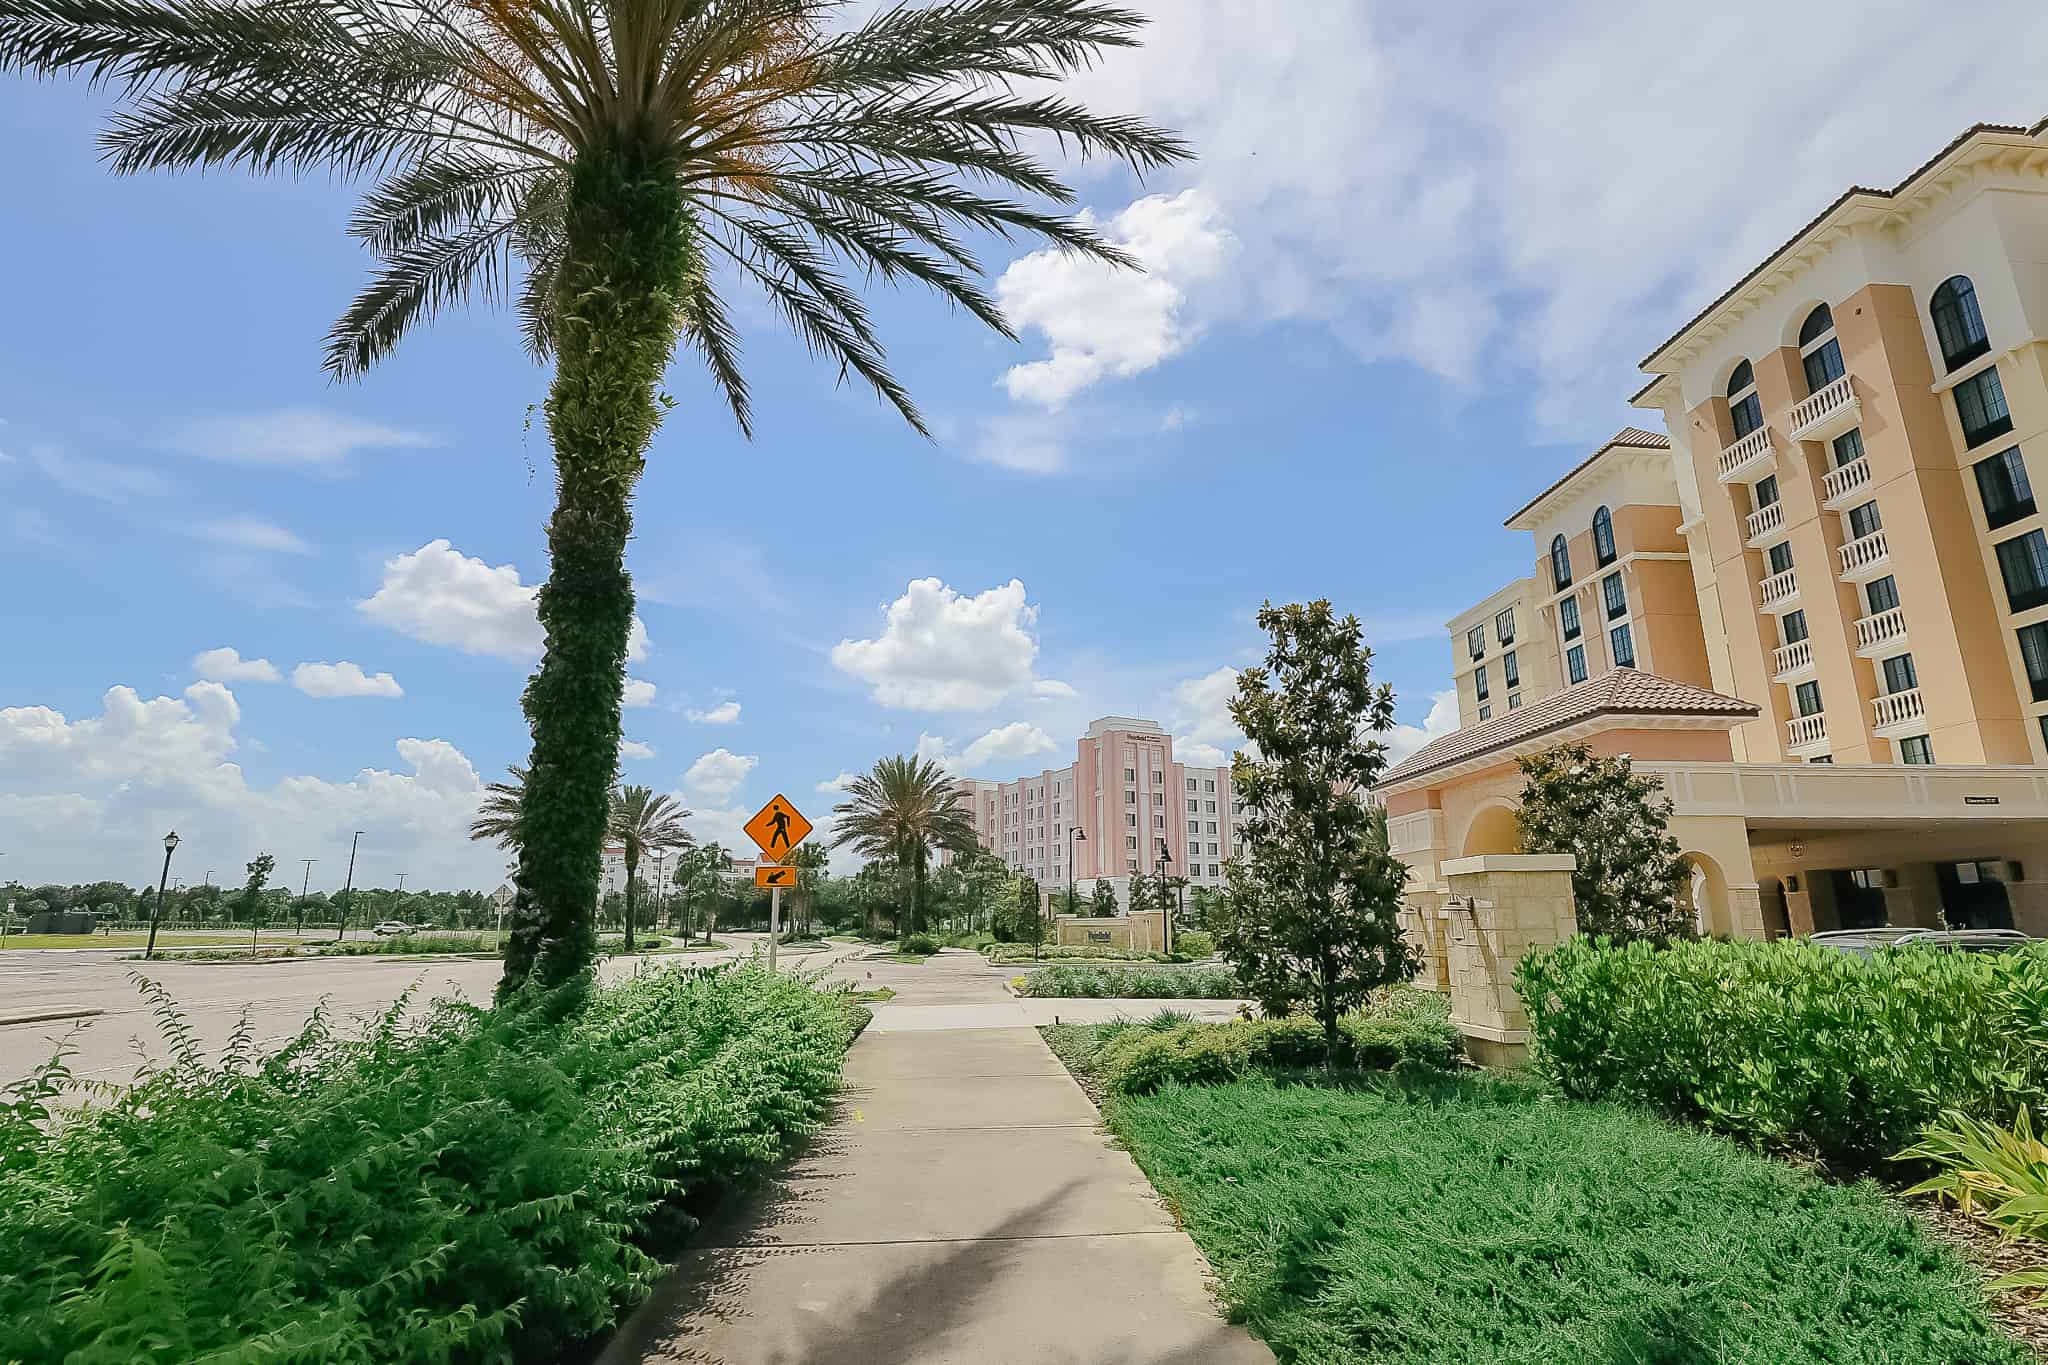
1125,794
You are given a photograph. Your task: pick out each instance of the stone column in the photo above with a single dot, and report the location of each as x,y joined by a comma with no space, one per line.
1500,906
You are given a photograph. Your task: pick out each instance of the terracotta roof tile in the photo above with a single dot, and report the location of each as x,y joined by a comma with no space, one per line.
1630,438
1620,692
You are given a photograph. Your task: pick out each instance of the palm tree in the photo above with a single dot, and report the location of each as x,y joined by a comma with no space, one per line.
499,816
901,810
693,866
626,154
809,861
644,823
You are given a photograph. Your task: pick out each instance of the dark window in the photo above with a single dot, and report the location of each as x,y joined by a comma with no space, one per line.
1560,563
1849,447
2034,649
1766,491
1958,325
1504,625
1510,670
1916,750
2002,483
1479,687
1863,521
1817,325
1745,410
2023,561
1603,537
1822,758
1899,675
1623,644
1980,403
1807,697
1568,617
2044,729
1780,557
1883,593
1575,663
1794,627
1486,713
1475,642
1823,365
1514,700
1616,595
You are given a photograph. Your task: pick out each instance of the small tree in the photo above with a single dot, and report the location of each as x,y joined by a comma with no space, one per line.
1313,905
1103,902
1030,920
249,905
1138,894
1618,825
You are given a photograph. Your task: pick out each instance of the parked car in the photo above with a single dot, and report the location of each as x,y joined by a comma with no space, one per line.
391,926
1863,942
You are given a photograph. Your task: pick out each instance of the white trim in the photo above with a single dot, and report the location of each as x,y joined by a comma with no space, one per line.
1508,862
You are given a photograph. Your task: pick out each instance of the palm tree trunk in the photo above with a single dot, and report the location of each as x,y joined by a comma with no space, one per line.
632,866
616,304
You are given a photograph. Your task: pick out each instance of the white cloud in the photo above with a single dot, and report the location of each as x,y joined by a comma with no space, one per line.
441,596
1049,689
1200,755
716,776
940,651
839,783
725,713
296,437
633,748
638,693
101,479
1200,708
1018,739
343,679
1101,321
1442,719
228,666
252,533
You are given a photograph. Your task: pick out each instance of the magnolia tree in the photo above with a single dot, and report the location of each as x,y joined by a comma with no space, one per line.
1312,915
1618,825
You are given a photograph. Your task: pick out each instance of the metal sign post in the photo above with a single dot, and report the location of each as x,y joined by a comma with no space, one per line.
774,923
778,828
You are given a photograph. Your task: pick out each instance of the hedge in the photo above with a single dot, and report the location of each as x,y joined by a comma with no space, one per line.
1133,983
472,1185
1794,1046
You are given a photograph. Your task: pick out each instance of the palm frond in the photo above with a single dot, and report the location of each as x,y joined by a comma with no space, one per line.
420,281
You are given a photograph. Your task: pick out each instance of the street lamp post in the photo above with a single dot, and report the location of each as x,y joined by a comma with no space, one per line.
304,883
156,912
1165,915
348,886
1075,835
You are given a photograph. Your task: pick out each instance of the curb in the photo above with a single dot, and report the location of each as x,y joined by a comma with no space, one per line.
46,1016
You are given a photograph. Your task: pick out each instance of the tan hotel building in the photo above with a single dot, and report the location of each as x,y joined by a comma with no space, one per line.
1817,603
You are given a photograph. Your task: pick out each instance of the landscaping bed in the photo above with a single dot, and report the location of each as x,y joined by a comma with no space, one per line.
423,945
472,1185
1130,983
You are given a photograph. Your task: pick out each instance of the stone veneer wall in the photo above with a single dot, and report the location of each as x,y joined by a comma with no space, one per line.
1500,906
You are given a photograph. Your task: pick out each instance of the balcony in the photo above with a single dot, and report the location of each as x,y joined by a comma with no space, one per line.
1897,714
1806,736
1839,486
1884,633
1792,663
1780,592
1827,414
1766,524
1866,558
1749,459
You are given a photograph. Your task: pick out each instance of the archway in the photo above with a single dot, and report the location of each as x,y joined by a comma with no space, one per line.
1777,915
1493,830
1708,891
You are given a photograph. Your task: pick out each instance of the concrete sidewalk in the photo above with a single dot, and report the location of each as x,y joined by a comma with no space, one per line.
963,1208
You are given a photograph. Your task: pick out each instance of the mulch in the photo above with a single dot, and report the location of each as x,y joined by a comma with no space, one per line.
2023,1314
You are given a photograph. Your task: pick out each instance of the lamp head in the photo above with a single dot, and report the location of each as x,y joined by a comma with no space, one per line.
171,841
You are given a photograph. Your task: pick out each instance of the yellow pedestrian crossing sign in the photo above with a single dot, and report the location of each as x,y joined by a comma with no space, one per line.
778,827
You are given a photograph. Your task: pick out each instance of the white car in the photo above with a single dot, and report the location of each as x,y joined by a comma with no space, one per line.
391,926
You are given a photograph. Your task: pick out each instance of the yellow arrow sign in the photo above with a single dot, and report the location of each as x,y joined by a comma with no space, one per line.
773,875
777,827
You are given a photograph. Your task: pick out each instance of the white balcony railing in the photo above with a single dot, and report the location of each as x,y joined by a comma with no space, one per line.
1883,633
1865,557
1780,591
1789,661
1839,483
1750,457
1807,732
1766,522
1829,412
1897,711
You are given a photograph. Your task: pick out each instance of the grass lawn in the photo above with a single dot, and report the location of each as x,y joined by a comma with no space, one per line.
1468,1219
273,938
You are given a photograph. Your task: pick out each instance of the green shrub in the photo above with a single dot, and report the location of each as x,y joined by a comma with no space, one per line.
1194,943
2000,1174
471,1185
1009,954
1794,1046
924,945
1132,983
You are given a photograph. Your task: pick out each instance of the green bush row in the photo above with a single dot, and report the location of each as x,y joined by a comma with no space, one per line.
469,1185
1009,954
1133,983
1794,1046
1194,943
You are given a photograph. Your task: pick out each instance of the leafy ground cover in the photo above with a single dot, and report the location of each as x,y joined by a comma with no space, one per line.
472,1185
1449,1219
1131,983
272,938
422,945
1009,954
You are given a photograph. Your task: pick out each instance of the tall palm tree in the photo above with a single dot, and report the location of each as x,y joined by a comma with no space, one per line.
693,866
902,809
809,861
644,823
499,817
627,154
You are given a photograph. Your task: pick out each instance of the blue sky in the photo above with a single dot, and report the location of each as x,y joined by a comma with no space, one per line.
1402,290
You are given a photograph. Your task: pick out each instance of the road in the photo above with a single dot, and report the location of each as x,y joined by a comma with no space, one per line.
278,996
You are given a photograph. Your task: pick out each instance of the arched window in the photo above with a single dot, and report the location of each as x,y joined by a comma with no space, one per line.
1745,409
1819,352
1560,563
1603,536
1958,326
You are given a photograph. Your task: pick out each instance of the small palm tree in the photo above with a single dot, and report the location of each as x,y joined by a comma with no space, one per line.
809,861
644,823
697,871
627,154
902,809
500,816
